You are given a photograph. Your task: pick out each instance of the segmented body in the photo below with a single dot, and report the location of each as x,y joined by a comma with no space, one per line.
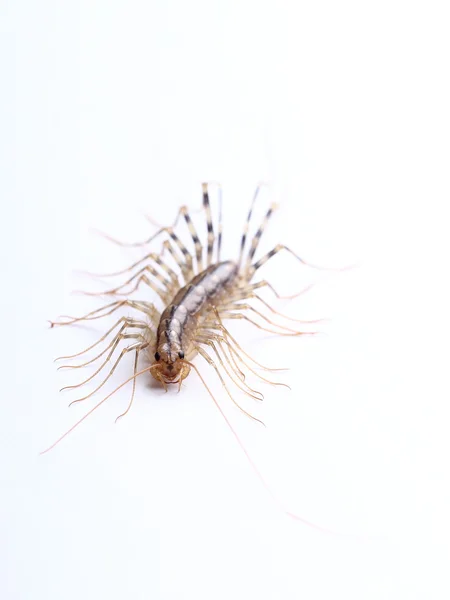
197,299
181,319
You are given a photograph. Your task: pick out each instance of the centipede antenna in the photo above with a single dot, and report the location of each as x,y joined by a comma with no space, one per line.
95,408
251,462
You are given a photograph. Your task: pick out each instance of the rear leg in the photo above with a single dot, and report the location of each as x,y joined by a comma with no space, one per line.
209,224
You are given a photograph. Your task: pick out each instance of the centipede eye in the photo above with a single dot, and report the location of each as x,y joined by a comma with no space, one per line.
157,355
181,354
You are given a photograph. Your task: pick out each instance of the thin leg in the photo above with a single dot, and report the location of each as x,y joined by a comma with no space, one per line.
247,224
126,323
230,307
184,211
267,305
209,224
265,283
185,252
210,361
165,296
185,272
221,327
114,343
219,229
275,250
231,315
136,358
146,370
223,340
145,307
121,320
151,256
242,386
122,354
197,244
257,237
147,269
145,242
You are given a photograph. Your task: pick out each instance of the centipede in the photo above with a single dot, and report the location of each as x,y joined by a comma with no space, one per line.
195,294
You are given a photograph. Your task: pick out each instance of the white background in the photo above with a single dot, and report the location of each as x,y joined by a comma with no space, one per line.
111,110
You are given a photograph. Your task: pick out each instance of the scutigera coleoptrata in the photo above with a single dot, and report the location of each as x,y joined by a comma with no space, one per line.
198,294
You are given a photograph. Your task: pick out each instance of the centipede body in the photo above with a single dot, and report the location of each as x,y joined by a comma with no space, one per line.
199,292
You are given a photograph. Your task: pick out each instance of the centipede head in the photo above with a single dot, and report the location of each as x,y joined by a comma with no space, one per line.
169,366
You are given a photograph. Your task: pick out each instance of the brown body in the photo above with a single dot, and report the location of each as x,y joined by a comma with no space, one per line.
181,319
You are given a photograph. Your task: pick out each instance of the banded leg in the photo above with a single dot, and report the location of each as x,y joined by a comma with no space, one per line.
184,251
210,361
256,239
274,251
247,224
209,224
185,272
197,244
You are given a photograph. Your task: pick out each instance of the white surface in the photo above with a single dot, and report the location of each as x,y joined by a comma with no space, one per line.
124,108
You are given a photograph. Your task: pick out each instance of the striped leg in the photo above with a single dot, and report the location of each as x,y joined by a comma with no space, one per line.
209,223
185,252
269,255
247,223
257,238
197,244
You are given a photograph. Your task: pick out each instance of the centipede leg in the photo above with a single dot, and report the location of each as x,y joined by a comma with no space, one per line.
122,354
240,384
136,359
209,224
210,361
123,320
